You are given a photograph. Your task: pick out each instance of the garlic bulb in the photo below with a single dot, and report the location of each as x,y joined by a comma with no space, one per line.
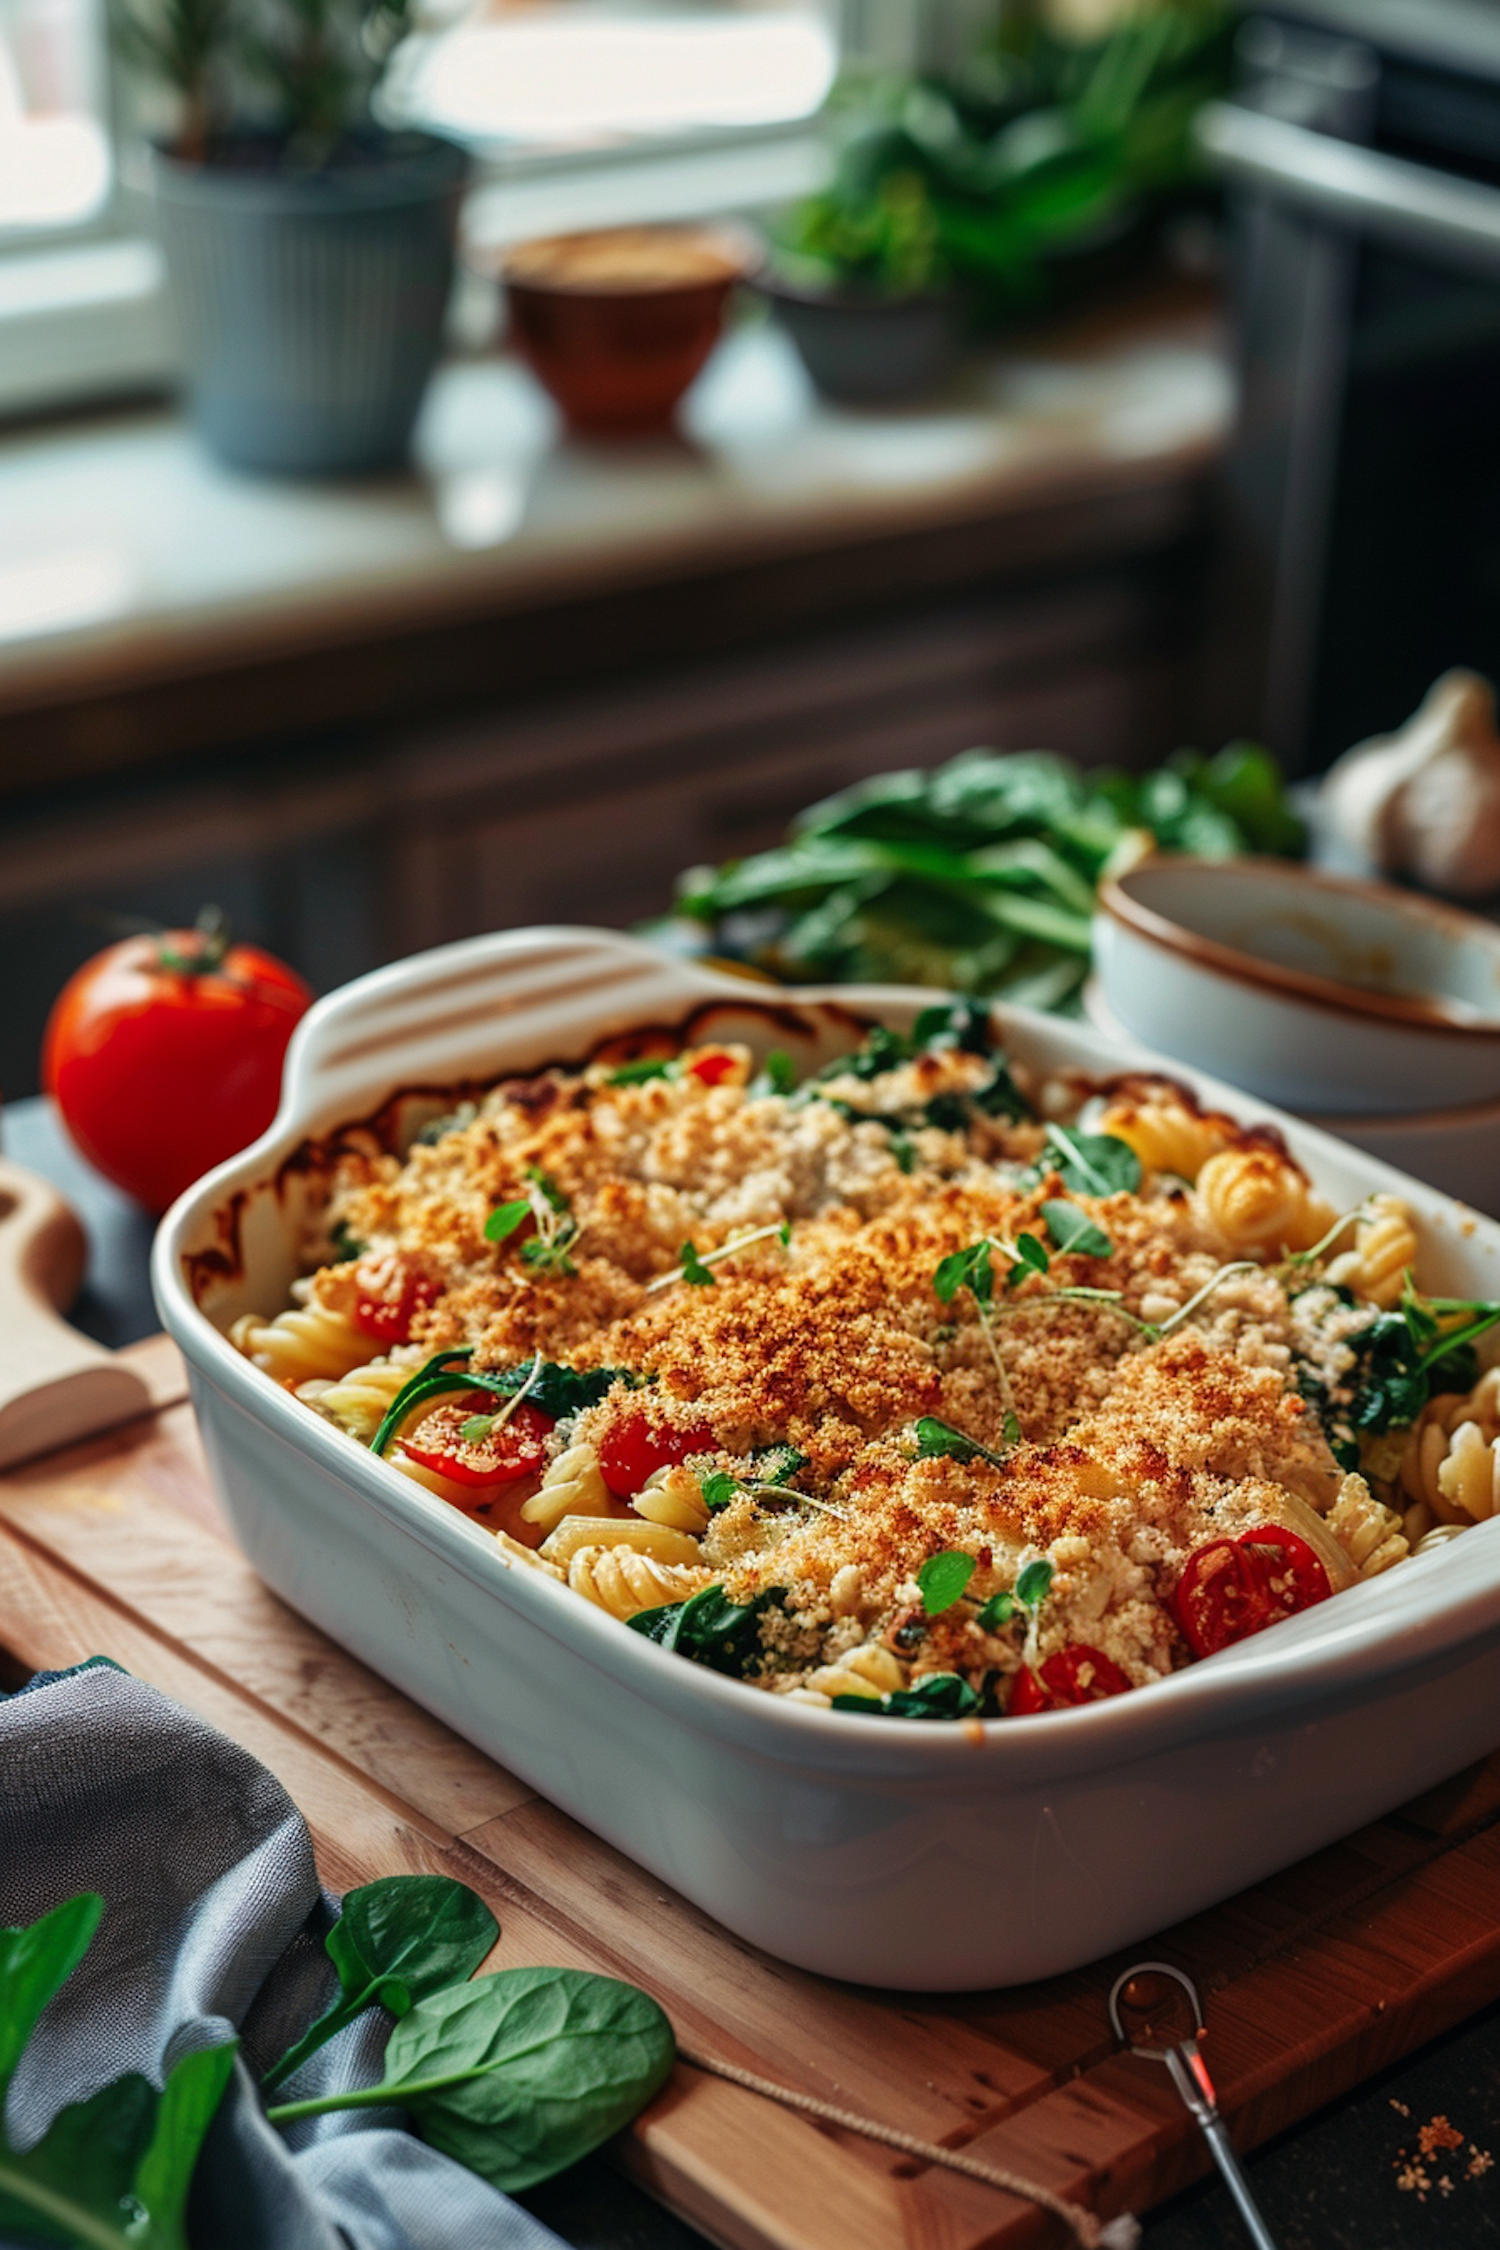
1425,801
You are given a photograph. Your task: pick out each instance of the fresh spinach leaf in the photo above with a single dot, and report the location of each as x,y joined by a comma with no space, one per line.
519,2074
1093,1163
712,1630
396,1941
1073,1230
937,1695
718,1490
189,2102
963,1024
943,1579
557,1391
111,2172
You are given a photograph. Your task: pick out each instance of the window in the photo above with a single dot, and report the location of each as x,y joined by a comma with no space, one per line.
580,112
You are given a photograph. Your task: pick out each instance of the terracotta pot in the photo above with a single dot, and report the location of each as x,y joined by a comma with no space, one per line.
616,324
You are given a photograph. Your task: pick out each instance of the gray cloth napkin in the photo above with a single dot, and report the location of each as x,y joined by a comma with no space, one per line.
214,1923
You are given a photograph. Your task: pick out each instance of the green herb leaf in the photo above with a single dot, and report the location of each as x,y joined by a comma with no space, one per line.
778,1464
640,1073
345,1243
943,1579
502,1223
1073,1230
1030,1258
710,1629
997,1611
1034,1583
784,1234
519,2074
969,1269
557,1391
395,1941
693,1268
550,1190
548,1257
718,1490
778,1074
937,1695
1094,1163
476,1429
939,1440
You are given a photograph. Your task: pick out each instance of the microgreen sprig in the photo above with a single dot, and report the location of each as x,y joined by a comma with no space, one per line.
1033,1584
938,1440
694,1268
557,1231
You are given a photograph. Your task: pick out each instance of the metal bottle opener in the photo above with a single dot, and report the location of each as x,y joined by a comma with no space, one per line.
1155,2012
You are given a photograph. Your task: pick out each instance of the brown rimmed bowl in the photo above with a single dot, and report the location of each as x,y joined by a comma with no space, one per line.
1314,991
615,324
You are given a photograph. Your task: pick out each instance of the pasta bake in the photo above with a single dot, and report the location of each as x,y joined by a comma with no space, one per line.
918,1387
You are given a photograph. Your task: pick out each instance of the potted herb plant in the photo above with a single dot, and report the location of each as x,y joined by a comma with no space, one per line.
1024,179
309,246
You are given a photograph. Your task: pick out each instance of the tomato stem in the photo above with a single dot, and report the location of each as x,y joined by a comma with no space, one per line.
205,950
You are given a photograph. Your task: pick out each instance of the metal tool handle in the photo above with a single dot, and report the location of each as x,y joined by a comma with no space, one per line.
1217,2137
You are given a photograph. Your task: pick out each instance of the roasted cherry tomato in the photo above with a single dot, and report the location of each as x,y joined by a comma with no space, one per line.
1235,1587
390,1298
516,1448
164,1055
1075,1675
633,1452
713,1068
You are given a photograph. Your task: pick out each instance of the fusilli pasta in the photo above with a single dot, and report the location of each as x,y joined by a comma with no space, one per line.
1385,1250
572,1485
624,1581
1258,1202
301,1343
1166,1135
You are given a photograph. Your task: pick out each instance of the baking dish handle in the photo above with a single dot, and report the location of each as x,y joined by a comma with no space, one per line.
428,1012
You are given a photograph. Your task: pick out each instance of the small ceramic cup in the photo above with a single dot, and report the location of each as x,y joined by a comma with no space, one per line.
1317,993
616,324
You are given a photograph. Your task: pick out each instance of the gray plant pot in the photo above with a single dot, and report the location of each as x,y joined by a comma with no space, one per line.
309,304
867,350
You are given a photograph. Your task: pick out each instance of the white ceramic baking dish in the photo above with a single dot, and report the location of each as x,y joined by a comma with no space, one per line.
891,1852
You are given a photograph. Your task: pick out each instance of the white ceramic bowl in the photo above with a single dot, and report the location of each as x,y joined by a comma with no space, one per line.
1323,994
892,1852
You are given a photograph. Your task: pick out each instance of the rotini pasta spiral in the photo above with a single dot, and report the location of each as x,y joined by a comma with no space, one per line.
872,1670
1450,1471
359,1401
623,1581
654,1539
1385,1249
673,1496
301,1343
1166,1134
1258,1202
572,1485
1370,1534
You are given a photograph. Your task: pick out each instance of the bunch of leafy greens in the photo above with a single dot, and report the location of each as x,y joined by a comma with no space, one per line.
978,877
1044,156
515,2075
1423,1345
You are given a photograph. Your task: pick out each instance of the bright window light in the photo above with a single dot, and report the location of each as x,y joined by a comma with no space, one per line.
580,78
54,152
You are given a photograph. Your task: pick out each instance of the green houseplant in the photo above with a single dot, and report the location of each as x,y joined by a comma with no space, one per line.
309,246
1009,185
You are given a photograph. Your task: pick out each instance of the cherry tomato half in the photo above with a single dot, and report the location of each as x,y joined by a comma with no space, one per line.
713,1068
389,1300
633,1452
514,1449
1235,1587
164,1055
1075,1675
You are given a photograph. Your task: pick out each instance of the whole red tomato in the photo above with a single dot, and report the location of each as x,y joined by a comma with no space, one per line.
164,1054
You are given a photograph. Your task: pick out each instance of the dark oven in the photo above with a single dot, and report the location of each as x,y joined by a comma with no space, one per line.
1361,151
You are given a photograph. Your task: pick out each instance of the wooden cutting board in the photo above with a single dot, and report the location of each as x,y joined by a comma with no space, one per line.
1313,1980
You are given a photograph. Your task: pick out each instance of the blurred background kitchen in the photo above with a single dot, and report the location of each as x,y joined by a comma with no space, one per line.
1097,376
